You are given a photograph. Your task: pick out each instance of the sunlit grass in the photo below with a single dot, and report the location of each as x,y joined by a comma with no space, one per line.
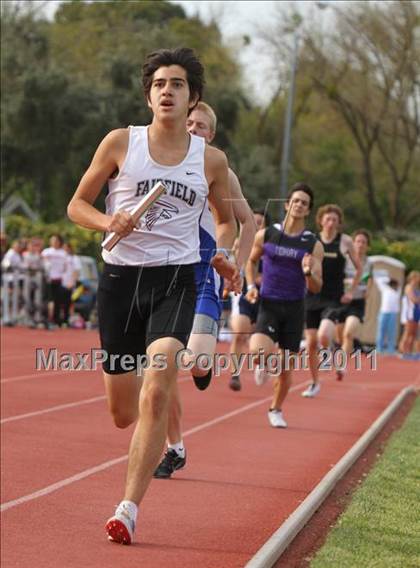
381,527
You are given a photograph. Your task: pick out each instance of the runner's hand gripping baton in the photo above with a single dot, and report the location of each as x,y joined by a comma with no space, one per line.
138,211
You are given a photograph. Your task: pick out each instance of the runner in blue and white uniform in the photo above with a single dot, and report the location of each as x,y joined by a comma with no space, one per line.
244,314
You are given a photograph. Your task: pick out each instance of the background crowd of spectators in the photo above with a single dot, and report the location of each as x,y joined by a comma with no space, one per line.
48,282
66,299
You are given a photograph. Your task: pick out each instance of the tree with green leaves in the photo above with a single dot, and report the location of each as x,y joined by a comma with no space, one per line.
69,81
365,68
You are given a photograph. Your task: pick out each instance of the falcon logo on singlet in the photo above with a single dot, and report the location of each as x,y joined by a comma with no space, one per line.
160,210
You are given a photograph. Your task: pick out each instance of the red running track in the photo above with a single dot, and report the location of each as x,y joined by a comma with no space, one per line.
64,463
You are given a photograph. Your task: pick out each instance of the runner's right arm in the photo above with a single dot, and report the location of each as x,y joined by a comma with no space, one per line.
108,158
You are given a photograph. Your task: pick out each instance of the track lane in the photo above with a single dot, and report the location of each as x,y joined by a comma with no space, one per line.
242,478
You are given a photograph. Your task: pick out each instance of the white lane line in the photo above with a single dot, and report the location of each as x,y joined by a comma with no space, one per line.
10,357
91,471
62,483
40,375
52,409
62,406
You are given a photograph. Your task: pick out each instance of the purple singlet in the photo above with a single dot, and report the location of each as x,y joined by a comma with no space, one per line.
283,277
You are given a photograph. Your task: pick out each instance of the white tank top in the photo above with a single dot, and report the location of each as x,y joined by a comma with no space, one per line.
169,232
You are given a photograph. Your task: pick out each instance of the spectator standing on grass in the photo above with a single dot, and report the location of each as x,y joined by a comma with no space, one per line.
70,278
410,314
32,259
3,244
12,260
55,262
34,271
386,334
12,265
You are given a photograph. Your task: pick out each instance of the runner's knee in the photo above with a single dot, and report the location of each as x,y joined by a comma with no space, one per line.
122,419
324,340
154,400
348,335
311,343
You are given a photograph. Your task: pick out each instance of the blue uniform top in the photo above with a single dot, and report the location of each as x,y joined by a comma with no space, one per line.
209,283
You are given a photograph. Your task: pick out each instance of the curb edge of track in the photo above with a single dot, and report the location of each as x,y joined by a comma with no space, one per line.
274,547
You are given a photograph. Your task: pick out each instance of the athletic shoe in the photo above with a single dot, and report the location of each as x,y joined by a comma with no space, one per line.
408,356
339,375
120,527
261,376
235,383
171,461
312,390
202,382
275,417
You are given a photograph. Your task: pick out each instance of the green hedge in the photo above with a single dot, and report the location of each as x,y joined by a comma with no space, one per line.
406,251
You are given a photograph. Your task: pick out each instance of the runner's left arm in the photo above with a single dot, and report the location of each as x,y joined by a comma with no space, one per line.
312,267
348,296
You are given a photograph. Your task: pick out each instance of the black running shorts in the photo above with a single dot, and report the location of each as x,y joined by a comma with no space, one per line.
356,308
248,309
138,305
282,321
318,310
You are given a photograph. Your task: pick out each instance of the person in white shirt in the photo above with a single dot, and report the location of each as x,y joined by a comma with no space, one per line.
33,266
32,259
70,279
12,260
55,262
410,314
12,279
386,334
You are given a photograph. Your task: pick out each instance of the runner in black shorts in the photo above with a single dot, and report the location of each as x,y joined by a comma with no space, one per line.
349,317
321,307
138,306
146,295
244,314
292,259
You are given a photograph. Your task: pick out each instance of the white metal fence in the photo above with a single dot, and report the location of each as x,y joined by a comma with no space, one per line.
23,297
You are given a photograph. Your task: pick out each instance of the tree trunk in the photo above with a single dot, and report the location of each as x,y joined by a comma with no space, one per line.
370,187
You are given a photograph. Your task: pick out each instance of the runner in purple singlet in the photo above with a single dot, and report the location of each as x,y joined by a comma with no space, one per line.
292,262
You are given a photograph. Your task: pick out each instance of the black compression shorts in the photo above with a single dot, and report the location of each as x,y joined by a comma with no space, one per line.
282,321
138,305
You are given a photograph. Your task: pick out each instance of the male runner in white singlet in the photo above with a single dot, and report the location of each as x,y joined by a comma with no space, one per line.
202,122
146,297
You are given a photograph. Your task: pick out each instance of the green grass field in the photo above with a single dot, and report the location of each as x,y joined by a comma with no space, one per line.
381,527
